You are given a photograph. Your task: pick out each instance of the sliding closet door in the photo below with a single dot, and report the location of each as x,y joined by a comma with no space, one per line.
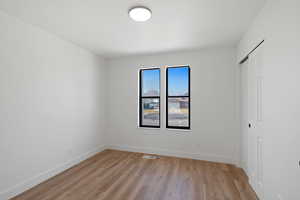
255,121
244,116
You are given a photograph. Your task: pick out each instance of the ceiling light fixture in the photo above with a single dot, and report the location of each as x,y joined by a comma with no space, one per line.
140,14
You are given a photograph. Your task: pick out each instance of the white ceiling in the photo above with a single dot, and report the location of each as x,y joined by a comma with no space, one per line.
103,26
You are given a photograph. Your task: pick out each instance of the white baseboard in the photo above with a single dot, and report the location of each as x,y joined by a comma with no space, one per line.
29,183
180,154
244,166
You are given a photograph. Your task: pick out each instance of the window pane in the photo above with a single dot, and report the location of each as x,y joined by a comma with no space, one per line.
178,81
178,112
150,82
150,112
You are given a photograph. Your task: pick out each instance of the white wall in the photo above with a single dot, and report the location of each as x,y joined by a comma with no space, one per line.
279,24
214,134
52,105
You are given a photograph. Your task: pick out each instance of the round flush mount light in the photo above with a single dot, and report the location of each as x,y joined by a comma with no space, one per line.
140,14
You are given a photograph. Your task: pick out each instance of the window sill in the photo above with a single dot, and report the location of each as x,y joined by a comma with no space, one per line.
148,128
174,130
179,130
149,131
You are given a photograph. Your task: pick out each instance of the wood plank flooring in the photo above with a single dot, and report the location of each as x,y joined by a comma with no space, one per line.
118,175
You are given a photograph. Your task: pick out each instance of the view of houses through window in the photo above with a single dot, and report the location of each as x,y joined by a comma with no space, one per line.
178,112
150,98
177,93
178,97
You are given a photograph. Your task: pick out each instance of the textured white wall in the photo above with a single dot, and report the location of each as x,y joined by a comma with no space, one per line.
52,101
278,23
214,134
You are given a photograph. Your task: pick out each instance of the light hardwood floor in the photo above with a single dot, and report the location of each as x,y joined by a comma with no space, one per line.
118,175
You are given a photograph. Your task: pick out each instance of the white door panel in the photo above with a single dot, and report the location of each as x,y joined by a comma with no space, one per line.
244,116
254,115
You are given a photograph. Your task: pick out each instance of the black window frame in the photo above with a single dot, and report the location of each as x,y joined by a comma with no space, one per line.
148,97
184,96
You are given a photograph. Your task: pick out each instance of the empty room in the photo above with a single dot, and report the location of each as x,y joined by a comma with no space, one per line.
149,100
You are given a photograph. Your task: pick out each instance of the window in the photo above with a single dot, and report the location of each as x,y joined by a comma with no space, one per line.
149,100
178,97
